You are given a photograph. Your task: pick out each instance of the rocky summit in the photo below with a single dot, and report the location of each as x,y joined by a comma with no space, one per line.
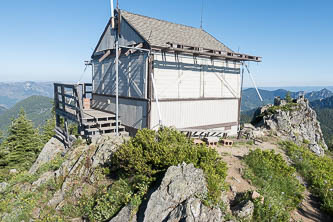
293,120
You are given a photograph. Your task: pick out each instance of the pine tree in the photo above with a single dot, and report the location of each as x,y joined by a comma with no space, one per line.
48,130
288,98
3,157
23,143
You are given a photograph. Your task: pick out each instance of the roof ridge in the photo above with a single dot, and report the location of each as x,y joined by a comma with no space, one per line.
162,20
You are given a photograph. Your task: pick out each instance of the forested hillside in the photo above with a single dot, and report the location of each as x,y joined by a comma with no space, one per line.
324,110
38,110
13,92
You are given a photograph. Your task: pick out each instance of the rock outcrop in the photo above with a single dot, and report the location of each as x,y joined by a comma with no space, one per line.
177,199
79,168
50,151
295,121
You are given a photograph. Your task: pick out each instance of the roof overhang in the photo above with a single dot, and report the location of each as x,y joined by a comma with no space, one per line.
184,49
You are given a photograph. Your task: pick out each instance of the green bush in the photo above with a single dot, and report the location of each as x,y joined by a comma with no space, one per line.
104,206
144,159
276,182
316,170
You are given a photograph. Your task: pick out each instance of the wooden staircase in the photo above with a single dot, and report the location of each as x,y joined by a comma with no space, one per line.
95,122
68,100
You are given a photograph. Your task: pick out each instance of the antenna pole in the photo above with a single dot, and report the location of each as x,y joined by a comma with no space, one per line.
111,3
112,14
202,5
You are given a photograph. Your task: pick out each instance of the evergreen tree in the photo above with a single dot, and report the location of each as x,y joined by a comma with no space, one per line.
3,157
48,130
22,143
288,98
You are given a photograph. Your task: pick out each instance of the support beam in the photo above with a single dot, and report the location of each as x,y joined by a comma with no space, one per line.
105,56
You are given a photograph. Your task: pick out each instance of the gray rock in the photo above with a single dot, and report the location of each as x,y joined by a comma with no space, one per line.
57,198
176,197
50,150
194,211
124,215
13,171
3,186
43,179
106,145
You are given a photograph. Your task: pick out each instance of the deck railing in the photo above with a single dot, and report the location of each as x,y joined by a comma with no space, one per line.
68,102
68,99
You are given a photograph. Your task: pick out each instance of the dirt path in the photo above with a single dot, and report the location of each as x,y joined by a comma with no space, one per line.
309,209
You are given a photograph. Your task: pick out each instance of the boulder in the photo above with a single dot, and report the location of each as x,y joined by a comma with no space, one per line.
176,199
3,186
50,151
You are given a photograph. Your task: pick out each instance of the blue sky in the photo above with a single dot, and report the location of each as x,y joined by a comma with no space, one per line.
44,40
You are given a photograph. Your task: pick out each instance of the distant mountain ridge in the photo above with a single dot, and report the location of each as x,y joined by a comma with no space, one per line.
13,92
323,103
2,109
250,99
38,109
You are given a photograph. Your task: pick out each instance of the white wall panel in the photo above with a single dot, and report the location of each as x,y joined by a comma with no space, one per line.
189,77
182,114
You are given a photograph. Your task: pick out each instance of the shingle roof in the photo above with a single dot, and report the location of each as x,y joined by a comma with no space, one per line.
158,33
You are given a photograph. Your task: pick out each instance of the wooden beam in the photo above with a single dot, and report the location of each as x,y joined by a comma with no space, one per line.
105,56
210,52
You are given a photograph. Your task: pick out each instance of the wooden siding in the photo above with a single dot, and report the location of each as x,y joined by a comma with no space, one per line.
184,114
187,77
132,76
127,37
132,113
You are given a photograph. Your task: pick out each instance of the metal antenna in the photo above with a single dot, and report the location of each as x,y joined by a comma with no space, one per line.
117,4
202,5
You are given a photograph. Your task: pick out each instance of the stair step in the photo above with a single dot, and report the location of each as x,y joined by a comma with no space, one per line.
105,131
101,123
99,119
104,128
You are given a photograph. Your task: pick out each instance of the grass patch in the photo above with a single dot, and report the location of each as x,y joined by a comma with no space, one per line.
316,170
277,183
20,201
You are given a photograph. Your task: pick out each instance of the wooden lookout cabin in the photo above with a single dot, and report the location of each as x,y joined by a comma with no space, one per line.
162,74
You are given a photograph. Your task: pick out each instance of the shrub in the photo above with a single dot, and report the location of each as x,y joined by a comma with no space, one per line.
316,170
276,182
143,160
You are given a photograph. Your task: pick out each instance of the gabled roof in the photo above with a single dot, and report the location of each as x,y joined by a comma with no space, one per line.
159,33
